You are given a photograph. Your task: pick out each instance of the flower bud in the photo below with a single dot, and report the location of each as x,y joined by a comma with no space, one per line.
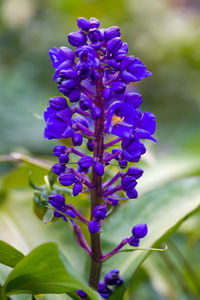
69,73
140,230
85,104
112,32
107,94
99,169
103,290
132,193
113,278
83,24
114,45
74,95
95,112
135,172
81,293
69,83
127,77
58,169
76,38
128,182
118,87
57,200
99,213
134,99
67,179
64,158
94,35
77,139
59,150
123,163
77,188
58,103
67,53
90,145
85,162
94,23
67,133
93,226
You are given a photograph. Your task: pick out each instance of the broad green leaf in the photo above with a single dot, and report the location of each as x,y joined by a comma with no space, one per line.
43,271
162,209
9,256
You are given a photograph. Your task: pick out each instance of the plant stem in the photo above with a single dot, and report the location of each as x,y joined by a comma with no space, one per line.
95,269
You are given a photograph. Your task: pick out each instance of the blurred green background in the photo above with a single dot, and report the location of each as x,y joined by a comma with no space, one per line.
165,35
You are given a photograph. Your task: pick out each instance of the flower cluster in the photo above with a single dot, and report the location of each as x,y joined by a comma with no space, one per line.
111,279
98,109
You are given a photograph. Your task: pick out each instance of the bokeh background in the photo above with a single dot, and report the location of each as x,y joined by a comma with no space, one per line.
165,35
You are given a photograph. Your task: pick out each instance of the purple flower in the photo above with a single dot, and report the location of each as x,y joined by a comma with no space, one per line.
99,169
77,188
67,179
113,278
94,226
58,150
103,290
140,230
58,56
81,293
76,38
99,213
86,162
57,200
58,103
58,168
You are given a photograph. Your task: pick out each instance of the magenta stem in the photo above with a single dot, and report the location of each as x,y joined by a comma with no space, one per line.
115,250
81,218
72,150
110,182
114,190
110,157
107,145
81,239
84,129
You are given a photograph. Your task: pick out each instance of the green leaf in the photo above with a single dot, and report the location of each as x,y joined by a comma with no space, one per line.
44,271
162,209
9,256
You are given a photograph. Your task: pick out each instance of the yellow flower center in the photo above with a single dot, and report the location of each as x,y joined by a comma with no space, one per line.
116,120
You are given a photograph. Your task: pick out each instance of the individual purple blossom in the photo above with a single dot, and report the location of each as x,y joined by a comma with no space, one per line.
113,278
81,294
67,179
58,168
99,168
94,226
99,213
86,162
103,290
57,200
58,150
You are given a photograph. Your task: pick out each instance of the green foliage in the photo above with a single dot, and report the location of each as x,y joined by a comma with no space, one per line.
9,256
44,271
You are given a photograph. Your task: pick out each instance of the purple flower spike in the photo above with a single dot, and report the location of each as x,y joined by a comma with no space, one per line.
99,169
99,213
57,200
81,293
94,226
140,230
67,179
